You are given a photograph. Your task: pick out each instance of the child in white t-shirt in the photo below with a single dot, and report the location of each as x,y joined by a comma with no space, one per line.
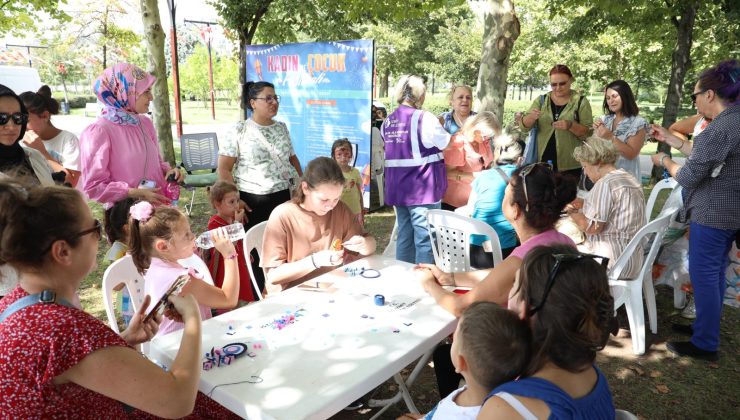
491,346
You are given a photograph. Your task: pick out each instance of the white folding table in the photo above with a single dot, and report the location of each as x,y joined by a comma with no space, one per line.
312,351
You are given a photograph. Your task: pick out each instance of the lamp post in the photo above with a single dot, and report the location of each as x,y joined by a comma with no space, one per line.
175,68
207,36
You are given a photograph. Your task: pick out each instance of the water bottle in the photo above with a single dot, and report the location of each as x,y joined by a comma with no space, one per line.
172,190
235,232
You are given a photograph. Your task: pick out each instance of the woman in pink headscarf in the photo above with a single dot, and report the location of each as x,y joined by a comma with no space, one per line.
119,151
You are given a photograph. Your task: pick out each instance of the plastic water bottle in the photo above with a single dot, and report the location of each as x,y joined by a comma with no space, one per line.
235,232
172,190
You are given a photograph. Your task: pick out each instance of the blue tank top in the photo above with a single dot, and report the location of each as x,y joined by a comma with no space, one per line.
596,405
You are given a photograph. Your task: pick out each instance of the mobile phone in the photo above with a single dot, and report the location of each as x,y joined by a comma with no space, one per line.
177,285
147,183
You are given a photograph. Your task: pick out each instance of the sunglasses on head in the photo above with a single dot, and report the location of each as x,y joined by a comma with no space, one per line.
526,171
18,118
559,260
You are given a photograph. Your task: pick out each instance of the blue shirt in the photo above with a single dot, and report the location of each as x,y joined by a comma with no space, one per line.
489,189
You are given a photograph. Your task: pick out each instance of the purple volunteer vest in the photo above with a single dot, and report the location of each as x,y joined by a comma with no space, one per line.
414,174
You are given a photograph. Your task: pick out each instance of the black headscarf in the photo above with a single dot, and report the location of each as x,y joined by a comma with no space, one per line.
12,157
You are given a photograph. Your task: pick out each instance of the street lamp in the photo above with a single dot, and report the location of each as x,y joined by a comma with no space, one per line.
207,36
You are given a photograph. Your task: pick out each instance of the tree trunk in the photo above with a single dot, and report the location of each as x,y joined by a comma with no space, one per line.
680,62
384,83
500,33
154,36
242,79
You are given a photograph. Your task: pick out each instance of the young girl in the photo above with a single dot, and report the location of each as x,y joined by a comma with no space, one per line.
60,147
341,152
299,233
161,236
491,346
225,199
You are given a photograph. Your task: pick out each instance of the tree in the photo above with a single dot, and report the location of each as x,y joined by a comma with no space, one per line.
501,31
157,67
96,23
18,16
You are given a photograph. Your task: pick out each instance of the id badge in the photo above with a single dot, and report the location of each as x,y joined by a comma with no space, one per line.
147,184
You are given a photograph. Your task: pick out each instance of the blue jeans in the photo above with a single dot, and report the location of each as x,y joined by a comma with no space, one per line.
413,244
708,249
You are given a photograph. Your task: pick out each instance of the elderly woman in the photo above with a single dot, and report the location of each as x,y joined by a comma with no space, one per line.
622,126
461,102
119,152
414,168
614,210
563,118
469,152
711,182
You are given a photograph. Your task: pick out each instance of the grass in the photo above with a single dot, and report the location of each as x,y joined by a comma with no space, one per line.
653,386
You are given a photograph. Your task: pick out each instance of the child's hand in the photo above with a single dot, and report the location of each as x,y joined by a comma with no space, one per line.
357,244
222,242
240,216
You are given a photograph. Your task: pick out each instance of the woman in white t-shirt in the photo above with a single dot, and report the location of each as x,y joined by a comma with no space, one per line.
60,148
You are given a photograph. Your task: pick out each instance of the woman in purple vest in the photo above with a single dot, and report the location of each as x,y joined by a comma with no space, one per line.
415,175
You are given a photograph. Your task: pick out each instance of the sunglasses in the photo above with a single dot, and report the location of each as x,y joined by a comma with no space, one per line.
559,260
17,117
97,229
270,99
695,94
526,171
556,84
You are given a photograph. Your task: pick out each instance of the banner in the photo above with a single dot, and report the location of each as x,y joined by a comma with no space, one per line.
325,91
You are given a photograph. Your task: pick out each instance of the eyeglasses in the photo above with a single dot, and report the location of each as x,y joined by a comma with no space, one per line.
695,94
17,117
526,171
558,84
270,99
97,229
559,260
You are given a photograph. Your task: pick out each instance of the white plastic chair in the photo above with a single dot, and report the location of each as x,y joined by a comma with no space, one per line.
629,292
253,240
390,249
450,236
199,265
624,415
664,184
121,271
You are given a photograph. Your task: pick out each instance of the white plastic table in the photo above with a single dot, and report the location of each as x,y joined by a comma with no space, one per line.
339,345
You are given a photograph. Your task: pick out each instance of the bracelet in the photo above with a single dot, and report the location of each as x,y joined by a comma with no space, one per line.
683,142
232,256
313,262
661,159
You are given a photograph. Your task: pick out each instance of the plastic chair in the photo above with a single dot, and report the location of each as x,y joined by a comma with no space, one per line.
450,236
624,415
199,265
121,271
390,249
198,151
253,240
629,292
664,184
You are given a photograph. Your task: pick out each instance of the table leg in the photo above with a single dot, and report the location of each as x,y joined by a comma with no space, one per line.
403,389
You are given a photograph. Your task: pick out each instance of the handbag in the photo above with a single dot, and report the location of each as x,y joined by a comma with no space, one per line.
531,154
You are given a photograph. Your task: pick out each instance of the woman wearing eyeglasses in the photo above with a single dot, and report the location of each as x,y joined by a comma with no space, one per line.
59,361
532,203
711,181
566,299
614,209
563,118
622,126
461,101
17,161
468,153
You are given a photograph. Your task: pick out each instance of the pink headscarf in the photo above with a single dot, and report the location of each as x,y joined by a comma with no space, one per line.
119,87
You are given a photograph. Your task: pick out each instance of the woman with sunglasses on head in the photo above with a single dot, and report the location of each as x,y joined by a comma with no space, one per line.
563,118
468,153
532,203
614,209
711,181
17,161
622,126
565,296
59,361
119,152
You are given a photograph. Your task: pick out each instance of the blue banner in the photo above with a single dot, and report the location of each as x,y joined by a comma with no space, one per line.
325,91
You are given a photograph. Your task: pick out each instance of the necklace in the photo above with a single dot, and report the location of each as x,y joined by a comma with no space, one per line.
557,110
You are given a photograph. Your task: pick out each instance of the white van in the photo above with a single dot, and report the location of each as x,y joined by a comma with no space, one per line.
20,79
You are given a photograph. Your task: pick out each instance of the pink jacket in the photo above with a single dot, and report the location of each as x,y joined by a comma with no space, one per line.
114,158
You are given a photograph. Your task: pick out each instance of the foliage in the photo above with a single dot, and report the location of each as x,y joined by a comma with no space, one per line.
194,80
19,16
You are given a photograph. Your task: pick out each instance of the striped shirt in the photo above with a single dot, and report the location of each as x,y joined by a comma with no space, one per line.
711,175
617,200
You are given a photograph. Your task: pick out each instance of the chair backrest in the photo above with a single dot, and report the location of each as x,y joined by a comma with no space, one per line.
664,184
123,271
253,240
450,236
199,265
199,151
656,228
